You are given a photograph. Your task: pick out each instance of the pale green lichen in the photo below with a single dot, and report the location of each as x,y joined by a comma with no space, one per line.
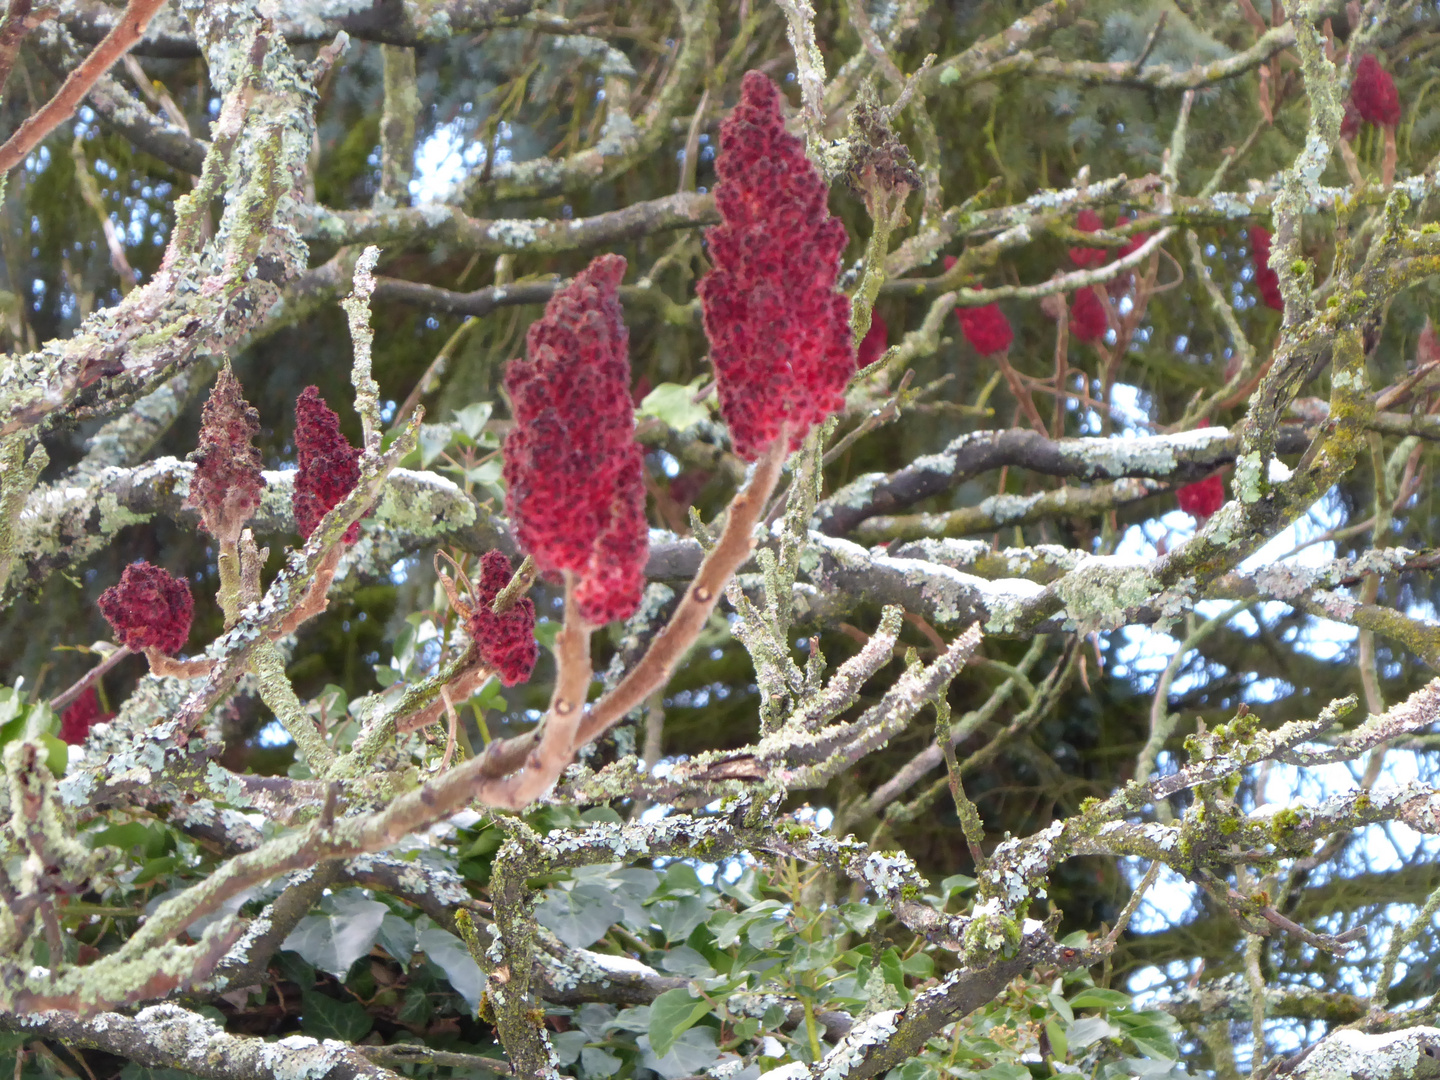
1102,590
424,504
516,233
1248,483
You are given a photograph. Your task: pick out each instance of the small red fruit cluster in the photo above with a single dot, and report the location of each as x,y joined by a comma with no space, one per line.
574,474
81,715
1088,320
1202,498
152,609
227,483
779,331
329,465
1373,93
985,327
1266,280
506,642
149,609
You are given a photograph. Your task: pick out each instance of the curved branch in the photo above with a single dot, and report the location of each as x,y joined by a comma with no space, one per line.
449,225
126,32
1174,458
169,1037
388,22
996,57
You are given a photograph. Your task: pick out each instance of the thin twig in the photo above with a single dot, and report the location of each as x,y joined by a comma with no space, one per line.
60,700
670,645
127,31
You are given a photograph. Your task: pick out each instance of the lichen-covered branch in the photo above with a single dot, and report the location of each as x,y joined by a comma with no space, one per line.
170,1037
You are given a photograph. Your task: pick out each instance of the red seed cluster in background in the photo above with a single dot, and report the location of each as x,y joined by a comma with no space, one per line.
1350,122
81,715
1266,280
506,642
1134,243
227,484
779,332
1087,315
149,609
985,328
1088,221
573,472
329,465
876,341
1202,498
1373,93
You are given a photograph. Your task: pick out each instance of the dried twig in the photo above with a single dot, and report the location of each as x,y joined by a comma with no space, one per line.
62,106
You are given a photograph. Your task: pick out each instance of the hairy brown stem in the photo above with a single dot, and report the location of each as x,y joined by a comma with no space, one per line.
59,701
163,665
62,106
20,19
670,645
316,598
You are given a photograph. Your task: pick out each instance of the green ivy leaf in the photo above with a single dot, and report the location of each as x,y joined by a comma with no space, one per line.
671,1015
579,917
956,883
676,918
859,917
416,1009
683,960
599,1064
1094,997
347,931
921,965
397,937
675,405
56,752
325,1018
568,1045
474,417
449,954
434,438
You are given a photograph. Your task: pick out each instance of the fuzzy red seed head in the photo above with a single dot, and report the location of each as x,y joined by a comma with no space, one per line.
1202,498
779,332
1267,282
876,341
1373,93
227,484
81,715
573,472
329,465
1087,316
1088,221
1134,243
506,642
985,328
1427,345
1350,122
149,609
